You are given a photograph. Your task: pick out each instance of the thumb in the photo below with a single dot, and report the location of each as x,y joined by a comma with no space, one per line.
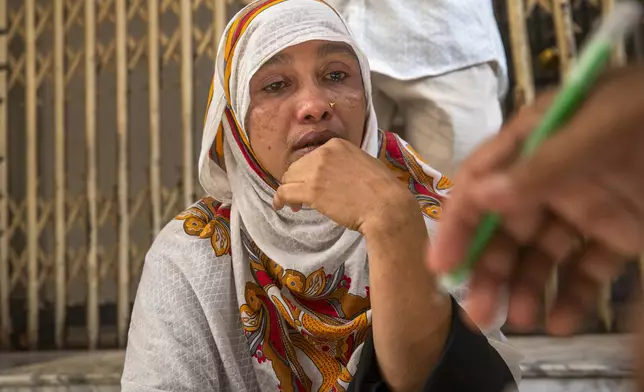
530,180
455,231
608,113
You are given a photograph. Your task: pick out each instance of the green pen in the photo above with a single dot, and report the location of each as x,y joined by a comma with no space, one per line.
597,54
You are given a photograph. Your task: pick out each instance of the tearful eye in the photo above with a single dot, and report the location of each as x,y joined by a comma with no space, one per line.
275,87
336,76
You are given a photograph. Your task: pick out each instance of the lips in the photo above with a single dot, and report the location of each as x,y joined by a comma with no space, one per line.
314,139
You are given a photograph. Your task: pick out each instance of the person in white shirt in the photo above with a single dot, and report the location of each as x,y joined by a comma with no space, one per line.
440,64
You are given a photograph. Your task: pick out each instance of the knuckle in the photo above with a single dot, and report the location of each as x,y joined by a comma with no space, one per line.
325,151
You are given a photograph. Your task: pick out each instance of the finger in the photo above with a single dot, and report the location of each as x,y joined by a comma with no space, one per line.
294,195
302,169
528,283
490,275
558,239
481,303
313,163
571,151
524,226
595,210
555,241
600,213
454,234
298,171
521,224
458,226
579,287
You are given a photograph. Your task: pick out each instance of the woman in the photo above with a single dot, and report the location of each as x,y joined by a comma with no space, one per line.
307,257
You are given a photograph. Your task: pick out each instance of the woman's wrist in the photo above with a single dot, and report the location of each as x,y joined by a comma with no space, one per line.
398,214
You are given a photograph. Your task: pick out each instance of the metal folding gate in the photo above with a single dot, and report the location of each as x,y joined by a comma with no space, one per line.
95,95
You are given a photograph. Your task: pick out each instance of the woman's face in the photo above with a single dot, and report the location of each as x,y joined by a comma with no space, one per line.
301,98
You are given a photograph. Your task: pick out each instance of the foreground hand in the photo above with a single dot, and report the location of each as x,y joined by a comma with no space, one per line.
587,181
344,183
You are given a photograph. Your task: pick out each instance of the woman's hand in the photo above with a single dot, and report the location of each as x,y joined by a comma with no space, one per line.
357,191
586,181
344,183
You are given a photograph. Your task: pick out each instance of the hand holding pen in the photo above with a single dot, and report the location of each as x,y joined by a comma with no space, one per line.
574,198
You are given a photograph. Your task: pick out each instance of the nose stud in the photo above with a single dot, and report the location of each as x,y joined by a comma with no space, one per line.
331,105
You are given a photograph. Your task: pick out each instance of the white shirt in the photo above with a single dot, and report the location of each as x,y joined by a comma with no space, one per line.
410,39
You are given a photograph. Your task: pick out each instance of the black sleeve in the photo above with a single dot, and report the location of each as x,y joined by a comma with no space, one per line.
469,363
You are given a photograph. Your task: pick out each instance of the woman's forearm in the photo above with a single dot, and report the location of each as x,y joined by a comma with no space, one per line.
410,316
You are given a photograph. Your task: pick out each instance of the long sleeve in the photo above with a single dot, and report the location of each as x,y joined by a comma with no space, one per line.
170,346
185,333
470,362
